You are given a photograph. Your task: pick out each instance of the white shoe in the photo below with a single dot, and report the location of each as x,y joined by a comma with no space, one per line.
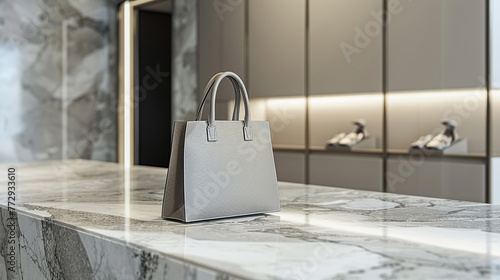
421,142
335,140
439,142
446,138
351,139
451,130
356,136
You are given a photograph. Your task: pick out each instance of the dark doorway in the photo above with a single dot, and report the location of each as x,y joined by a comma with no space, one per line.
153,112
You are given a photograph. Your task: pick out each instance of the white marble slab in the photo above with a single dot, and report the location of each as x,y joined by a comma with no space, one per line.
85,218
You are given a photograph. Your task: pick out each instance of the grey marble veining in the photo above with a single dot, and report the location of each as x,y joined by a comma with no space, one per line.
184,53
110,219
58,80
58,77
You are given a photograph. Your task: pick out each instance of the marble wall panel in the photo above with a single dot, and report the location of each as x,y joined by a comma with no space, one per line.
58,79
184,68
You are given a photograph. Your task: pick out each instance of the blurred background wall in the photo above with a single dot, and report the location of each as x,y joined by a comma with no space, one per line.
58,83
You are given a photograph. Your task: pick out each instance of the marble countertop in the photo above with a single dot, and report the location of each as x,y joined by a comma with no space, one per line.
98,220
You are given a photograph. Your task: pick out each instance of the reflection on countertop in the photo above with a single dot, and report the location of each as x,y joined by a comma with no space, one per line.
102,221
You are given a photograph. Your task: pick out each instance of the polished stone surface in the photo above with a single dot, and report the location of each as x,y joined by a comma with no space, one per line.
104,222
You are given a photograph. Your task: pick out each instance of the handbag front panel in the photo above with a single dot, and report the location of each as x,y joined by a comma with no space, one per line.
229,177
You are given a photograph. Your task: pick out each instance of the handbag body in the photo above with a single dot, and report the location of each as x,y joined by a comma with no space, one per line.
220,169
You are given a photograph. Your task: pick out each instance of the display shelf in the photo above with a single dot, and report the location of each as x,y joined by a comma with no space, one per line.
286,117
346,152
412,114
401,152
320,150
321,93
287,148
335,113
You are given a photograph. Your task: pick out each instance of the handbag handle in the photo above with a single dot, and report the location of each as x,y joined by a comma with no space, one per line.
211,132
237,97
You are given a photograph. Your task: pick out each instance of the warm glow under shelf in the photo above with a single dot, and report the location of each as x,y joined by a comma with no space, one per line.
340,99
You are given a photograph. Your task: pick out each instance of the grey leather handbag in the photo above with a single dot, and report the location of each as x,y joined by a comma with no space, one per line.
220,169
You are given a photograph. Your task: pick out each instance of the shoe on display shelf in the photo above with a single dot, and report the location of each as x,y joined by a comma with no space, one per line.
421,142
333,142
446,138
356,136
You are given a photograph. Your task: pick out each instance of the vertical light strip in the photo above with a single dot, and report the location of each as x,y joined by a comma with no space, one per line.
127,94
64,90
127,104
64,102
